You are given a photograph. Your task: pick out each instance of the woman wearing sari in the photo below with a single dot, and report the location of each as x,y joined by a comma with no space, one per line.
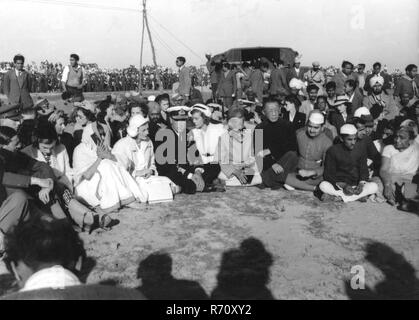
135,153
400,164
234,153
98,179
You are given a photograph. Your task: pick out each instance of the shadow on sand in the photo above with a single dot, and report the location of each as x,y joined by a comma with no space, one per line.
400,280
155,271
244,273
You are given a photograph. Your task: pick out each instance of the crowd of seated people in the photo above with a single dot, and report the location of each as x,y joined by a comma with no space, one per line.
124,151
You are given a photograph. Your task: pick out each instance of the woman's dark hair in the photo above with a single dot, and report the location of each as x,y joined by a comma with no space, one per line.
204,117
6,135
162,97
143,107
331,85
90,116
43,240
45,133
18,57
75,56
294,100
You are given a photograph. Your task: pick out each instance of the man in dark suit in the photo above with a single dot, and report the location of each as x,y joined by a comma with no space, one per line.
185,81
17,84
227,86
278,79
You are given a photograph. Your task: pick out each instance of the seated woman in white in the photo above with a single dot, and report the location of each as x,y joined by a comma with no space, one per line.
400,163
135,153
99,179
234,153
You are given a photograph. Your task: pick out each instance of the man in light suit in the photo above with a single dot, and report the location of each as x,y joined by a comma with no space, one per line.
185,83
17,84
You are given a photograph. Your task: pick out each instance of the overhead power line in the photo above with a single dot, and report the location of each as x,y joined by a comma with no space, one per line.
176,38
81,5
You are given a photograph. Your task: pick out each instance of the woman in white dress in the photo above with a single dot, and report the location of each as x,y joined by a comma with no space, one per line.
98,178
135,153
205,135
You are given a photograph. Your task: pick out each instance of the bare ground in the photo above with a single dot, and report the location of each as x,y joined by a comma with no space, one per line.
314,245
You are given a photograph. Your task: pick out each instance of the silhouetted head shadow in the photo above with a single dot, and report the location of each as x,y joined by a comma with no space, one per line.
400,280
244,273
155,272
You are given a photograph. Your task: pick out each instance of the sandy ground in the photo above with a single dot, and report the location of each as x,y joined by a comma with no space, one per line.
313,245
305,249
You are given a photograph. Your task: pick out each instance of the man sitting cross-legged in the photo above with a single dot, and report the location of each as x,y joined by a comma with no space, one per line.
312,146
345,170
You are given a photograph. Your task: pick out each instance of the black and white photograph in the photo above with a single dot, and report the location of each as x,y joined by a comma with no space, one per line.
220,152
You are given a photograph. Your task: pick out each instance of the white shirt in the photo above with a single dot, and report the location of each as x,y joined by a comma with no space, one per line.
66,72
17,72
55,277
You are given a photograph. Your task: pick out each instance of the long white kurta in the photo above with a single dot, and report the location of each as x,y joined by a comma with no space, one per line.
134,157
111,187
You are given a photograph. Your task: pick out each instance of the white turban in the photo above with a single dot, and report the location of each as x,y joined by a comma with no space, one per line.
134,123
296,84
151,98
376,79
362,111
348,129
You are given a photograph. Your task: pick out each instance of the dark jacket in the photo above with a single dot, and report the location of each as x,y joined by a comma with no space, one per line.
18,90
343,165
299,119
227,85
279,137
19,168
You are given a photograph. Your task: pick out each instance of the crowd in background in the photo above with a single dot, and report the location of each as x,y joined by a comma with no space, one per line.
46,77
343,136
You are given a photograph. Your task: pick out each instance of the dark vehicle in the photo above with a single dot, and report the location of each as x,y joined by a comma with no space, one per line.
239,55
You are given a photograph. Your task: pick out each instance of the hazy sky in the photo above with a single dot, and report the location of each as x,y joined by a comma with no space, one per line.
324,30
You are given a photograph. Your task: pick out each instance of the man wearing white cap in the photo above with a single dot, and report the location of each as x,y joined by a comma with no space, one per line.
345,171
377,96
135,153
312,146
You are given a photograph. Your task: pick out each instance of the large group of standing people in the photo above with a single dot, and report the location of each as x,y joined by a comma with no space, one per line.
349,137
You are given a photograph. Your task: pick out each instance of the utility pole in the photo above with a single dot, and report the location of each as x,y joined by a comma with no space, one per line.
140,80
145,25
